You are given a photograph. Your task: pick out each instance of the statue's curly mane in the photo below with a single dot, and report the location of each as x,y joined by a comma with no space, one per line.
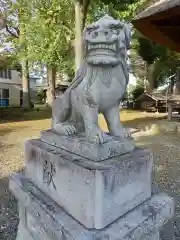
105,73
80,74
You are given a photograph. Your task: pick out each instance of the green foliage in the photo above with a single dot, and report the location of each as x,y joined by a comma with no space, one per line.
48,27
120,5
128,9
166,66
137,92
50,33
46,31
150,51
8,61
144,52
123,9
16,15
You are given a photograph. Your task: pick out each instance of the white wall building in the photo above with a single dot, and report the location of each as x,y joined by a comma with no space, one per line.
10,88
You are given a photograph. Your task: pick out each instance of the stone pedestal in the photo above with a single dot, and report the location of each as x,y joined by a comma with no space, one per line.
41,218
94,193
78,144
65,195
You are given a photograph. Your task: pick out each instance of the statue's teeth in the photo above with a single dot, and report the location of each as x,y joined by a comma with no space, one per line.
102,46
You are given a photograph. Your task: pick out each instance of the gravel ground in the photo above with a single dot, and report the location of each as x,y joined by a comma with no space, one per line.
166,150
12,138
166,172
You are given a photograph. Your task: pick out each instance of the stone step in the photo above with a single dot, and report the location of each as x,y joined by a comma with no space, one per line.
42,219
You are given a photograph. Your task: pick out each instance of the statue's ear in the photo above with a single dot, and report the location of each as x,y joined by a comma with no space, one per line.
127,31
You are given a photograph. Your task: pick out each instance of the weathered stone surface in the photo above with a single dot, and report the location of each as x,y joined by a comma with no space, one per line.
99,85
23,233
79,145
94,193
45,220
154,236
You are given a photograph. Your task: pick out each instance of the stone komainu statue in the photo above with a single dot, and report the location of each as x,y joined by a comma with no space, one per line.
99,84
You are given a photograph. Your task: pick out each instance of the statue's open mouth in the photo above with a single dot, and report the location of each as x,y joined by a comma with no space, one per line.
102,53
110,47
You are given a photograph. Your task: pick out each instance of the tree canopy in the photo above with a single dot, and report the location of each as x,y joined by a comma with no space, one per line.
147,54
43,32
50,26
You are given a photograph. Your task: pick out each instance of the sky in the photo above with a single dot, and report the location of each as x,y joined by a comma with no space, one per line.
132,79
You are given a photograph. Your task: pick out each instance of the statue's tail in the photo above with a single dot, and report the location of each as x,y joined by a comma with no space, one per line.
61,108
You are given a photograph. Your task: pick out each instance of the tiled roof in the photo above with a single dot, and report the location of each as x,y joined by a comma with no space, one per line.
160,6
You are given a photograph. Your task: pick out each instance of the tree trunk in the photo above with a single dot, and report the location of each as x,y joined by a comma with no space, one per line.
171,85
24,63
25,85
51,93
78,35
80,20
150,77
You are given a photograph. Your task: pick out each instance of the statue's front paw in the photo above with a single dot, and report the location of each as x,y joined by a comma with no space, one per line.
96,135
69,129
64,129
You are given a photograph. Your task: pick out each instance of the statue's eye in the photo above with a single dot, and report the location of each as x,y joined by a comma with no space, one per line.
116,28
90,29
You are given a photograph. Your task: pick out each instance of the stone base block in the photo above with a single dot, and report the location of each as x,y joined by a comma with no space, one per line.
79,145
94,193
42,219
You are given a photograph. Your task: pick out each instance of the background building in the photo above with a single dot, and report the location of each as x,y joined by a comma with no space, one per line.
10,88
